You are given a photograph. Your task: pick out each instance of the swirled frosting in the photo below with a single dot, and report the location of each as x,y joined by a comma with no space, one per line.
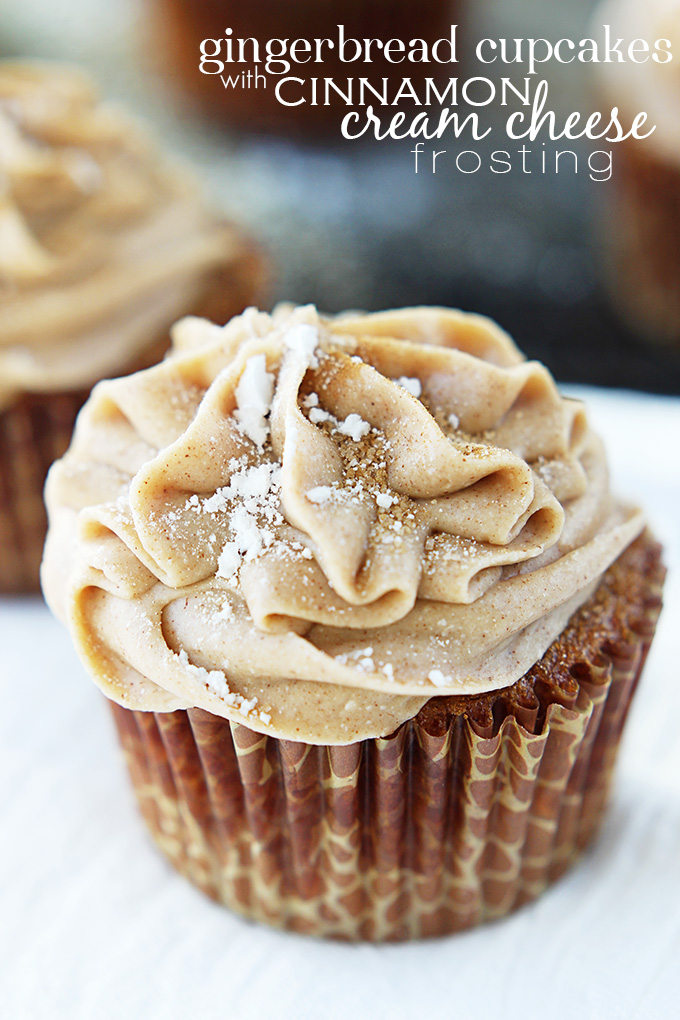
102,243
313,525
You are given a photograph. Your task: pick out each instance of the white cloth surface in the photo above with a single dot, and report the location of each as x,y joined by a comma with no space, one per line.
95,925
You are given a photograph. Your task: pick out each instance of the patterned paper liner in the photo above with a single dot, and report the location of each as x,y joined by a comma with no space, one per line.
462,815
36,429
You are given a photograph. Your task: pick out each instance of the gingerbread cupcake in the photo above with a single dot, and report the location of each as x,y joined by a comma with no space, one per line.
367,614
642,225
103,244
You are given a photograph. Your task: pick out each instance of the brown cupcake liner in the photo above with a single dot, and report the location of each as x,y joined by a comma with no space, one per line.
463,814
36,428
34,431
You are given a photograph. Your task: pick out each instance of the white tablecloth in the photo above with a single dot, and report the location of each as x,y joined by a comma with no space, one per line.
94,924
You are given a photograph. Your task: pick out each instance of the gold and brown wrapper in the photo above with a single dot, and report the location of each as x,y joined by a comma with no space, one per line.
464,814
34,431
36,428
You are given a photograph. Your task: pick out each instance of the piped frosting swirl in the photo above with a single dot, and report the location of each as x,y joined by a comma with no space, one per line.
315,524
102,243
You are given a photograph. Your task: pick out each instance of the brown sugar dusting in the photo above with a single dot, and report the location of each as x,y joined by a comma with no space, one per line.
601,627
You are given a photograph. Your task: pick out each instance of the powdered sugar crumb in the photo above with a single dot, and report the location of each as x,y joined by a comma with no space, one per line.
226,611
385,500
361,656
252,501
413,385
317,415
216,681
320,494
304,340
254,398
229,560
354,427
436,677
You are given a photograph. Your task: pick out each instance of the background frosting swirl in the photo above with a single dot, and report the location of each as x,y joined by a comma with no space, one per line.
315,524
102,243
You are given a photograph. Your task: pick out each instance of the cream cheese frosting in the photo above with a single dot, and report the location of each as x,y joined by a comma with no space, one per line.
314,524
102,243
652,86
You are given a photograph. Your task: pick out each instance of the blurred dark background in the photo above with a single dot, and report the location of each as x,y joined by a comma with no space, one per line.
349,224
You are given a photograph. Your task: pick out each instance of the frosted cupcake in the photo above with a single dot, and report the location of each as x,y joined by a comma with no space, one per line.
366,611
643,224
103,244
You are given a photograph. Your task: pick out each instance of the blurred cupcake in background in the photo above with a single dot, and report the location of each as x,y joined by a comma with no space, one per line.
181,25
103,244
642,226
